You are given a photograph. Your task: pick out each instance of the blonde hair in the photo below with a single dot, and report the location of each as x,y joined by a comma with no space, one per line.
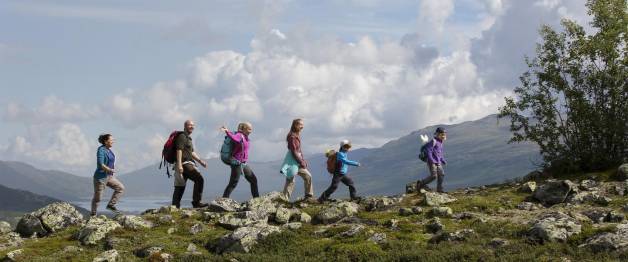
243,125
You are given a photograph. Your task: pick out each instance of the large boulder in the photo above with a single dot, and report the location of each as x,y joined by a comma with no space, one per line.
10,240
5,227
244,238
437,199
96,229
52,218
592,197
224,205
554,226
108,256
241,219
336,212
622,172
379,203
609,241
554,191
133,222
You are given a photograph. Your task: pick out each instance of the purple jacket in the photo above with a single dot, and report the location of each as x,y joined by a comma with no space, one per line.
241,147
435,152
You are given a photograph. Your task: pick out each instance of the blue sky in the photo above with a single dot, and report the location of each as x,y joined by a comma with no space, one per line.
369,71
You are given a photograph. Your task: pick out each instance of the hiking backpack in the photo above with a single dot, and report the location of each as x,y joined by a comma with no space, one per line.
169,153
423,151
226,151
332,162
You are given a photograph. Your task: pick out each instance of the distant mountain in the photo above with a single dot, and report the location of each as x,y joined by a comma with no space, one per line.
477,153
15,202
51,183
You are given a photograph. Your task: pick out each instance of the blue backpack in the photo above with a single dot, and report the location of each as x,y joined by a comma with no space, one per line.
423,151
226,151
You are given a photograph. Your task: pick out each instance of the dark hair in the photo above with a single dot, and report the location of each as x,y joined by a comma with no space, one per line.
103,138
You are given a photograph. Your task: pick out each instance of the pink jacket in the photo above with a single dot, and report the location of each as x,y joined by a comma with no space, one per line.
241,147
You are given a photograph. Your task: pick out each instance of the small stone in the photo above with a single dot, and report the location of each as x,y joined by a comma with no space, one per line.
528,206
434,226
224,205
441,212
614,217
528,187
378,238
392,224
186,213
13,255
417,210
168,209
498,242
171,230
208,216
166,219
148,251
5,227
196,228
293,225
404,211
437,199
355,229
305,218
72,249
107,256
192,249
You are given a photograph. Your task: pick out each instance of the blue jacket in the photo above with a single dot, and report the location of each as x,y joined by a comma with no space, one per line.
103,156
435,153
341,157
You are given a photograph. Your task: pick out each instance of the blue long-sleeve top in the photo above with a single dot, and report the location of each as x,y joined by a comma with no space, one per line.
104,156
435,153
341,157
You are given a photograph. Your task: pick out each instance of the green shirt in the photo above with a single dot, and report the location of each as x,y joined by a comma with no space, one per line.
183,142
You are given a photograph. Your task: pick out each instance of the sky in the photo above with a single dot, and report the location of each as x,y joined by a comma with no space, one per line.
369,71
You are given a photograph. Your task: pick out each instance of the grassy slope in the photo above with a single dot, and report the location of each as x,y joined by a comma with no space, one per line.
408,243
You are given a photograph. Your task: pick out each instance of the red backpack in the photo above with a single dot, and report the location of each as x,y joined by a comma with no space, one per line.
169,153
332,164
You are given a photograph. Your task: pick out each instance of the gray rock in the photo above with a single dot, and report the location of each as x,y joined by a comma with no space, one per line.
625,208
378,238
209,216
187,213
465,215
588,185
244,238
614,217
609,241
335,212
554,192
622,172
304,218
434,226
58,216
107,256
354,230
13,255
379,203
596,215
5,227
498,242
404,211
437,199
411,188
167,210
224,205
293,225
528,187
554,226
112,242
96,229
148,251
10,240
72,249
528,206
392,224
417,210
133,222
460,235
30,225
192,250
282,216
171,230
166,219
589,197
264,206
441,212
196,228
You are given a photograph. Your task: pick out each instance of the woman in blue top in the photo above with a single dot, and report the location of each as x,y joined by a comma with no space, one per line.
104,174
341,175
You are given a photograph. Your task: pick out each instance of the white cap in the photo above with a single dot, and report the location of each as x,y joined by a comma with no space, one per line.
345,142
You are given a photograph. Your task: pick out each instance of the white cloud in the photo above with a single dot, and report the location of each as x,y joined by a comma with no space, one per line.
52,109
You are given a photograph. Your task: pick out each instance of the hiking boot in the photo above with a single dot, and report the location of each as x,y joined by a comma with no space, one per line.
199,205
113,209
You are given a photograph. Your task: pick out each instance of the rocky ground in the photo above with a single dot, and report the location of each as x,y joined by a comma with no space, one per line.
573,218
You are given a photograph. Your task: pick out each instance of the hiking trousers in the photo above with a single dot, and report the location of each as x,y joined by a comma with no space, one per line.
99,187
345,179
189,172
435,172
236,170
307,184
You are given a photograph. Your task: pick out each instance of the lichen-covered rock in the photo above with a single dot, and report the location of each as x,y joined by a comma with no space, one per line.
441,212
30,225
293,225
336,212
498,242
282,216
196,228
554,192
528,187
133,222
5,227
528,206
609,241
240,219
588,185
354,230
437,199
460,235
434,226
10,240
108,256
404,211
589,197
96,229
244,238
148,251
49,219
622,172
224,205
411,188
554,226
13,255
378,238
167,209
304,218
379,203
596,215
